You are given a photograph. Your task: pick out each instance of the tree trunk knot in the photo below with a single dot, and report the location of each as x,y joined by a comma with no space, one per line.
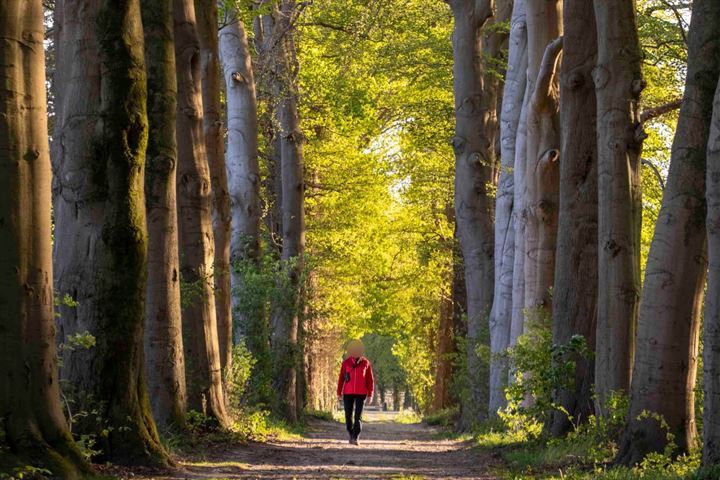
458,144
601,76
470,106
612,247
238,77
575,80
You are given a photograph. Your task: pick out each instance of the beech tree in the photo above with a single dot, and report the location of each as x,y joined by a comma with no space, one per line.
34,428
574,308
164,357
512,100
541,182
207,28
666,358
711,324
286,312
242,159
99,210
618,84
473,174
197,245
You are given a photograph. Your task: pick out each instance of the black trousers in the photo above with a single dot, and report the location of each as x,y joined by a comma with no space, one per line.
356,402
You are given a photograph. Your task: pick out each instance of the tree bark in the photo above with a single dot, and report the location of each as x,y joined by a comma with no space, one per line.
501,313
34,429
544,26
711,324
618,83
575,289
281,64
164,358
207,28
242,164
100,234
473,208
667,337
202,356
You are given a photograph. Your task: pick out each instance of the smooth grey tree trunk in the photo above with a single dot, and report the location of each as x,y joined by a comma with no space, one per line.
501,313
618,83
544,26
666,358
473,206
34,429
711,323
575,288
99,210
197,244
164,357
242,163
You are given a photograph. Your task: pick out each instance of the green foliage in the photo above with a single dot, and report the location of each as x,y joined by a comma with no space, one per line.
407,417
442,418
238,376
26,472
541,368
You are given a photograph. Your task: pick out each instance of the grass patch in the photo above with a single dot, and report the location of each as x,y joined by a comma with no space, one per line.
407,417
446,417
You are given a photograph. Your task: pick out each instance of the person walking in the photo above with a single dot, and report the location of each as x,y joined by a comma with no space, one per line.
355,387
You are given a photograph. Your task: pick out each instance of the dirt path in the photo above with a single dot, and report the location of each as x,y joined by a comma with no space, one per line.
388,450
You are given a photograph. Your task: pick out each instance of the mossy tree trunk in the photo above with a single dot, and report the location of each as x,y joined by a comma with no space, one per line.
666,359
34,428
100,234
164,357
207,28
197,244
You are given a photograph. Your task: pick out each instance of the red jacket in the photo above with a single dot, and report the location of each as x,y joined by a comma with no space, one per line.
360,374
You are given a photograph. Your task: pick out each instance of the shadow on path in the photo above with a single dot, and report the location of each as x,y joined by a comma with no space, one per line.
388,450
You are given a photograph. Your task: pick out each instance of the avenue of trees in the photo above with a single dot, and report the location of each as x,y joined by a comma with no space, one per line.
201,201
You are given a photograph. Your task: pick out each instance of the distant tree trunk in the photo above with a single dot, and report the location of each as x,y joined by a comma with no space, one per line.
34,429
207,28
711,335
445,338
473,208
667,338
164,358
618,83
544,26
501,313
202,356
517,320
574,309
286,310
242,166
100,234
266,81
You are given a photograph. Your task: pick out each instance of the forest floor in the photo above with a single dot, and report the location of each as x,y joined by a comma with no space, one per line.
387,450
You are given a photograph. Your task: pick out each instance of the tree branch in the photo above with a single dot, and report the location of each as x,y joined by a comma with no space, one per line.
547,71
652,166
660,110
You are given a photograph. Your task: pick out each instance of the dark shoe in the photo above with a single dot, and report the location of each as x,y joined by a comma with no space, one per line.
352,439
